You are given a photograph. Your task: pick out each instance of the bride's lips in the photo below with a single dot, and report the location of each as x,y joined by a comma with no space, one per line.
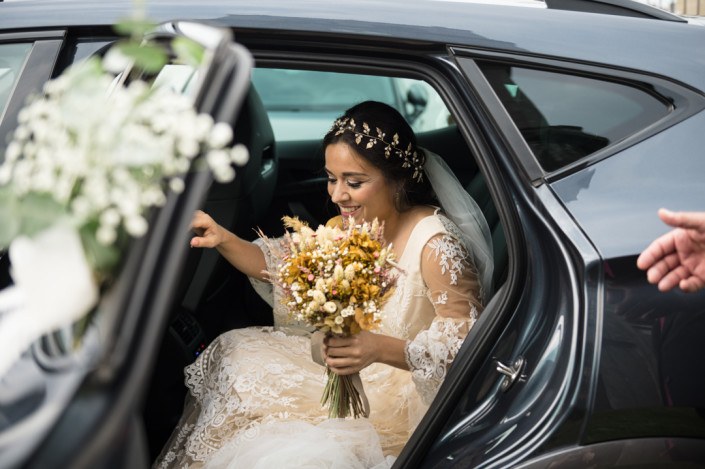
348,211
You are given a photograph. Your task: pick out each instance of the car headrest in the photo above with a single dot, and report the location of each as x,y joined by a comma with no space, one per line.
253,130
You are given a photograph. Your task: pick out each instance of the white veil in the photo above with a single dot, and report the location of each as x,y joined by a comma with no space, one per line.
462,210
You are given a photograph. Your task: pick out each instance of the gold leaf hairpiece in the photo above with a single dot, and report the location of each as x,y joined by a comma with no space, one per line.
412,159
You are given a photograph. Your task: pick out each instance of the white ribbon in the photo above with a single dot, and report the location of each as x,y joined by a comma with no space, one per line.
53,287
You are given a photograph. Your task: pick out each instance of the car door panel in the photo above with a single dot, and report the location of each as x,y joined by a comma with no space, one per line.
90,397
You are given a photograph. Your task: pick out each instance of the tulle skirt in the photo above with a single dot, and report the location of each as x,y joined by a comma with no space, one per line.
332,444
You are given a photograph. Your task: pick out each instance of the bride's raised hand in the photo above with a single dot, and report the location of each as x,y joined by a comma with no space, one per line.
348,355
208,233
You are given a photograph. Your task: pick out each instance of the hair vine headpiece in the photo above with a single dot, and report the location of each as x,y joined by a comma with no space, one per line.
412,159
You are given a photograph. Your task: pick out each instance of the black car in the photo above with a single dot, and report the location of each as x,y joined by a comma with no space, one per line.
570,122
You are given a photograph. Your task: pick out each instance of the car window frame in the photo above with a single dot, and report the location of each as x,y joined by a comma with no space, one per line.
685,102
36,70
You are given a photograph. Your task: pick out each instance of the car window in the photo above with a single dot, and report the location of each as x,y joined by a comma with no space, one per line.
566,117
179,78
12,58
301,104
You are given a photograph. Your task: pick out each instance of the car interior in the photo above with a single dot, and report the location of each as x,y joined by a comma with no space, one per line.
282,177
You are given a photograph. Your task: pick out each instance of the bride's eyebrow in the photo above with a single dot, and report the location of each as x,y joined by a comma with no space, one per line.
349,174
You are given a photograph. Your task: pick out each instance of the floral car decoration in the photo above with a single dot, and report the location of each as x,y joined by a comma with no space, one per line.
88,161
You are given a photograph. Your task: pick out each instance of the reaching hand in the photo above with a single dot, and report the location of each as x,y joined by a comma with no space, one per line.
678,257
208,233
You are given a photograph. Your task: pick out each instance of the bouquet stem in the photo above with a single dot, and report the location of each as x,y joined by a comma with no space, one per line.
342,397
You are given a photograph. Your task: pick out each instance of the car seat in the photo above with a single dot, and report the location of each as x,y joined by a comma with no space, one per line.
237,205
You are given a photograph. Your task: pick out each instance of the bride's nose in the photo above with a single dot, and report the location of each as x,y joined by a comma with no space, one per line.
338,193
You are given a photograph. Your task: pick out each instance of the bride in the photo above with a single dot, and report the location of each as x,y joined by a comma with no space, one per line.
254,397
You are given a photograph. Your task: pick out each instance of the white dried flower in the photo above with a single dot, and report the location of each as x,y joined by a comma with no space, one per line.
224,174
220,135
110,217
177,185
319,297
136,226
108,153
106,235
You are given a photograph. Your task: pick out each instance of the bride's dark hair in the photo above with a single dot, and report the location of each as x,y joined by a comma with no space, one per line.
370,128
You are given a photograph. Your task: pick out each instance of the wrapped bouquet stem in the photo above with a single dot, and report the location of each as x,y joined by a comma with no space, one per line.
337,280
345,396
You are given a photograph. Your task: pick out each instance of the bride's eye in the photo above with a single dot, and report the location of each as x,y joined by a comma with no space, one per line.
353,184
331,180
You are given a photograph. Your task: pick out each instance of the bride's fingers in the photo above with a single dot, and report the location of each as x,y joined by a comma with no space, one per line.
341,361
348,352
342,368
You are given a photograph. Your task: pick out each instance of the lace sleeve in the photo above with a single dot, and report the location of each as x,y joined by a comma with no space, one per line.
272,256
263,288
453,288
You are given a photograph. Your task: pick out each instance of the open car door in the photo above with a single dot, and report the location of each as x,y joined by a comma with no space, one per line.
78,404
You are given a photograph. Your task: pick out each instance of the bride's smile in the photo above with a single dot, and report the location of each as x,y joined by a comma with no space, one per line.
358,188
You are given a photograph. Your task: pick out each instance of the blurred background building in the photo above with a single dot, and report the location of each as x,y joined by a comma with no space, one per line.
681,7
689,7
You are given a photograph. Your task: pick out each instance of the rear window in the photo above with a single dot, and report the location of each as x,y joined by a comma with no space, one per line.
12,58
302,104
566,117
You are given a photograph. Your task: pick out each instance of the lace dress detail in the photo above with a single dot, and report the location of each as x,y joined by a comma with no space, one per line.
256,391
448,277
430,354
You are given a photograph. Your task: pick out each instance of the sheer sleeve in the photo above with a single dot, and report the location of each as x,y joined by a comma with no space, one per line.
267,291
453,289
263,288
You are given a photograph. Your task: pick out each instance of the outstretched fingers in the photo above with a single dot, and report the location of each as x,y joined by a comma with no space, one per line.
657,252
687,220
672,278
204,227
691,284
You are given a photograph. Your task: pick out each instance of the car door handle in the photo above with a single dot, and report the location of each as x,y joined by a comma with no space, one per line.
511,372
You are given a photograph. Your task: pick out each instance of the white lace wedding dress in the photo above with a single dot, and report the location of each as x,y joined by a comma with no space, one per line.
255,392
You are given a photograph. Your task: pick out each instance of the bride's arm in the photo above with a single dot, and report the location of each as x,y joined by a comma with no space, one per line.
454,290
245,256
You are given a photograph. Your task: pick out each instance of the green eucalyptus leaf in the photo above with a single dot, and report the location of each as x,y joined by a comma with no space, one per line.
148,57
11,223
27,215
37,212
188,51
103,259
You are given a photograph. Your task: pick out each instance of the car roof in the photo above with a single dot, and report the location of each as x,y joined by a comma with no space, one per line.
665,48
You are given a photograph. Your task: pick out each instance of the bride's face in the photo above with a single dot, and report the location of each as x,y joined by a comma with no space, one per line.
358,188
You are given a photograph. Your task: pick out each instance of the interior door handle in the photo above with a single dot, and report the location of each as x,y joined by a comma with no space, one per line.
511,372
